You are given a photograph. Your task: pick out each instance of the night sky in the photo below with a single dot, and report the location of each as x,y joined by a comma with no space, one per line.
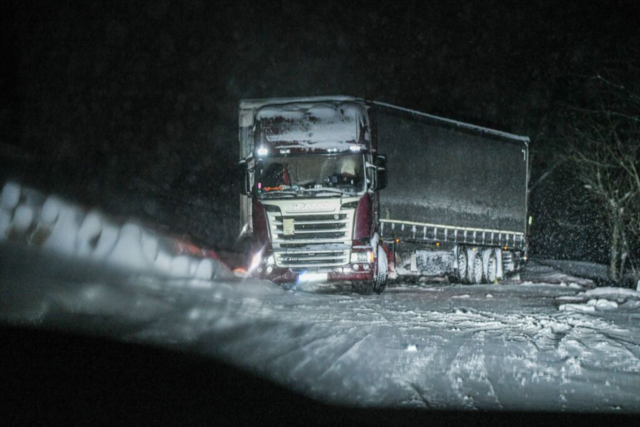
132,106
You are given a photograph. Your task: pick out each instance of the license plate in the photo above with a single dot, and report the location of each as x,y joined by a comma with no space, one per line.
313,277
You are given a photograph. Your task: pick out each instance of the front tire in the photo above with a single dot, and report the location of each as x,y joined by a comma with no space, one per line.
380,283
382,270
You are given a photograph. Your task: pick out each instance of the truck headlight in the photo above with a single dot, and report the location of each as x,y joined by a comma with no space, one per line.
361,257
271,260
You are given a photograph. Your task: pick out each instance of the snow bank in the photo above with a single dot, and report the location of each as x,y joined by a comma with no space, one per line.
614,293
602,299
546,271
29,217
585,269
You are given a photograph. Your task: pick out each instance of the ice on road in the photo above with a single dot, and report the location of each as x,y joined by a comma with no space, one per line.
474,347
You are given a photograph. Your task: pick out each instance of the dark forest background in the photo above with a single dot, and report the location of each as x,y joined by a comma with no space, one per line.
132,106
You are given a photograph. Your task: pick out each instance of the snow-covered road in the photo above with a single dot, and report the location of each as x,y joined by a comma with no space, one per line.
475,347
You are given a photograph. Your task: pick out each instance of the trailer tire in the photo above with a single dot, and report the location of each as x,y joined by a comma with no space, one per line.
491,273
463,265
476,271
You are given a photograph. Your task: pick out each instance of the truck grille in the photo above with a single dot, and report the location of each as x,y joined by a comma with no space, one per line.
311,240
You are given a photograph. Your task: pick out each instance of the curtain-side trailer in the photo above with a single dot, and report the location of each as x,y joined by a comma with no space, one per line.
456,201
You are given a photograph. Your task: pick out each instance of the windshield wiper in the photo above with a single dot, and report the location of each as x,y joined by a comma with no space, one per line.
287,191
324,190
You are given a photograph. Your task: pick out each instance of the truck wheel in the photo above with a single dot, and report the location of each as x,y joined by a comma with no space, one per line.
379,286
382,266
491,274
463,265
475,274
380,283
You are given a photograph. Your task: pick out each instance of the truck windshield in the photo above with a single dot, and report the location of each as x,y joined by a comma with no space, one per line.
310,176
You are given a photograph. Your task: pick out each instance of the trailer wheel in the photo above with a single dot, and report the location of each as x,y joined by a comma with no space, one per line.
463,265
491,274
475,275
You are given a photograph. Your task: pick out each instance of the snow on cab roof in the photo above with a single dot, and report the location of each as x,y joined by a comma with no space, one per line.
258,103
317,125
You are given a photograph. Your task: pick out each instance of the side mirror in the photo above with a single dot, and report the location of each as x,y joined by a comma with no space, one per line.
381,164
243,177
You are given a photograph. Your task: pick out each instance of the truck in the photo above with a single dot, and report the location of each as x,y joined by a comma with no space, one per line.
319,204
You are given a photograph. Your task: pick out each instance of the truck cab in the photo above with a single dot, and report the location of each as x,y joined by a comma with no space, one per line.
309,203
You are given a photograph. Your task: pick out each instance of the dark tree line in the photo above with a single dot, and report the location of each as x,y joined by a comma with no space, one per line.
603,132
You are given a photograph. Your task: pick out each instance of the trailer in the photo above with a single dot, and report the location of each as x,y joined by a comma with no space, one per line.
456,200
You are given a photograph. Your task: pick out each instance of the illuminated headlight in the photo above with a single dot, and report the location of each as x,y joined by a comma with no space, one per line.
263,151
361,257
271,260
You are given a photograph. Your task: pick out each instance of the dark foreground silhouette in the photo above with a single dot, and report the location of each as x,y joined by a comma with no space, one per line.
55,376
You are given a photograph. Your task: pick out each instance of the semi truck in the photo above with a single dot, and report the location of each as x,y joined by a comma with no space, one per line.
345,189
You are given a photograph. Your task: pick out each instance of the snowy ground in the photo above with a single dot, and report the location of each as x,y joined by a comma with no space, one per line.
472,347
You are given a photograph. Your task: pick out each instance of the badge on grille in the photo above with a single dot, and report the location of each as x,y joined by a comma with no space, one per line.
287,227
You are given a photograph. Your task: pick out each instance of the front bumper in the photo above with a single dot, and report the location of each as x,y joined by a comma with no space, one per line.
338,274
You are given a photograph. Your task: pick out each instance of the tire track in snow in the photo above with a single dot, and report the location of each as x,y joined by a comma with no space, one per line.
299,347
454,379
343,354
417,391
485,373
391,324
470,381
